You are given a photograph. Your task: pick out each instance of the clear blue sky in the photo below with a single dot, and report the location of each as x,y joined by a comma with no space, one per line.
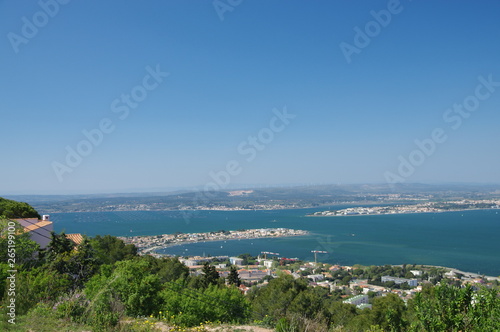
353,120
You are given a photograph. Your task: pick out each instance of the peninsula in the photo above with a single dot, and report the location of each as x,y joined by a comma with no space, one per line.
459,205
147,244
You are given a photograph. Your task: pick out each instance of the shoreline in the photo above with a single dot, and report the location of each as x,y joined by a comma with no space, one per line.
398,213
170,245
149,243
193,210
455,270
275,209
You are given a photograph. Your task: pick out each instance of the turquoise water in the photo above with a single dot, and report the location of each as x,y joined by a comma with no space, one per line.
467,240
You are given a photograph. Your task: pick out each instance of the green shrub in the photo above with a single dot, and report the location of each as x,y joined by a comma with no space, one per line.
188,307
72,307
39,285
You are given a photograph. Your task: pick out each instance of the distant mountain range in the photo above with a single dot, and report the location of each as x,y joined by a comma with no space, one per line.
260,198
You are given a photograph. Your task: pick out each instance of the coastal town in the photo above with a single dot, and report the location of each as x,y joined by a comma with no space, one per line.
146,244
428,207
356,285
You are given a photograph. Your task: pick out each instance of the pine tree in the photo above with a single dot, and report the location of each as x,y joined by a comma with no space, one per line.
210,275
59,244
233,278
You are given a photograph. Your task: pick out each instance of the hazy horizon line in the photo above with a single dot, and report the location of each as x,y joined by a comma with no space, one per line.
165,190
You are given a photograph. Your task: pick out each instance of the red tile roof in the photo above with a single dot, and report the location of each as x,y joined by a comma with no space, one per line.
77,238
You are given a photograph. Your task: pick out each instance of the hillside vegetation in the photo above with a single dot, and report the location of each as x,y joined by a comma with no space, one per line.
13,209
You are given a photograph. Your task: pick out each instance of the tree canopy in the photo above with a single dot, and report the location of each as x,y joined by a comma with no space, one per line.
13,209
110,249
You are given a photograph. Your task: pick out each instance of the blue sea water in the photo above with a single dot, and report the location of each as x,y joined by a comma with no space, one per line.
467,240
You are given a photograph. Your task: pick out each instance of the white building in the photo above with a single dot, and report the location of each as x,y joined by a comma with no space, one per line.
316,277
236,260
189,262
357,300
399,281
268,263
416,273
